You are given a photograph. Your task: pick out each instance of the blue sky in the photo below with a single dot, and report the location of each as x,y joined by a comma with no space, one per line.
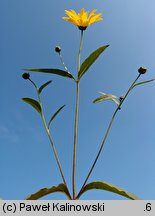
29,32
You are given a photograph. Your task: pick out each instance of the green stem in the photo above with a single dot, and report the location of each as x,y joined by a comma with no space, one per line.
50,138
106,135
80,48
76,123
53,147
63,63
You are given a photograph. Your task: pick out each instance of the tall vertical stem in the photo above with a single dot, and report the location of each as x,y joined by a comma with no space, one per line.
76,122
75,141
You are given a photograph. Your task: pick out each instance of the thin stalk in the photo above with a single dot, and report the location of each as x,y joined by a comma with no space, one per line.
63,63
54,149
50,138
76,122
80,48
106,135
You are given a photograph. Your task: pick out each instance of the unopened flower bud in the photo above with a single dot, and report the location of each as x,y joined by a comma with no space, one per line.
58,49
121,98
26,75
142,70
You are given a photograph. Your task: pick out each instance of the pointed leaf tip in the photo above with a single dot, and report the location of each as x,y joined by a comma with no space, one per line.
35,104
105,97
108,187
143,82
55,114
44,85
45,191
52,71
90,60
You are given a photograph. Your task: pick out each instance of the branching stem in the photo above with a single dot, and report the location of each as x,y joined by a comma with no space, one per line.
106,135
50,138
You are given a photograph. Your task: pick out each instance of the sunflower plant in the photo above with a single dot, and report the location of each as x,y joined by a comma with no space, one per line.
82,20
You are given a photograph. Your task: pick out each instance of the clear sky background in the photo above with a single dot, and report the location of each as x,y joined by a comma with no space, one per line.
29,32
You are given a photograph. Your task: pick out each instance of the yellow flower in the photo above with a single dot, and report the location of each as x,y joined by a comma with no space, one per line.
82,19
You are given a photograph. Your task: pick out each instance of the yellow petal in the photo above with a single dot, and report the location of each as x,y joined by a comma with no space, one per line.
82,12
95,18
92,13
85,15
70,13
71,20
73,11
82,19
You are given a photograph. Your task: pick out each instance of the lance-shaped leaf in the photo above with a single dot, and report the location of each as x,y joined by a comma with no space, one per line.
90,60
44,85
55,114
51,71
108,187
141,83
45,191
105,97
35,104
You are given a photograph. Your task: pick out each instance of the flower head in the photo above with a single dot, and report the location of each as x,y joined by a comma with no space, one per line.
26,75
58,49
142,70
82,19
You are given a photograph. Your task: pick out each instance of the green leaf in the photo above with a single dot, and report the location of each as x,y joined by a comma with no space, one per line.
44,85
108,187
45,191
35,104
55,114
104,97
90,60
140,83
52,71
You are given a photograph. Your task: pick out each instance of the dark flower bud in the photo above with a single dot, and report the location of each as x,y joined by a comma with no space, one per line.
121,98
142,70
58,49
26,75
